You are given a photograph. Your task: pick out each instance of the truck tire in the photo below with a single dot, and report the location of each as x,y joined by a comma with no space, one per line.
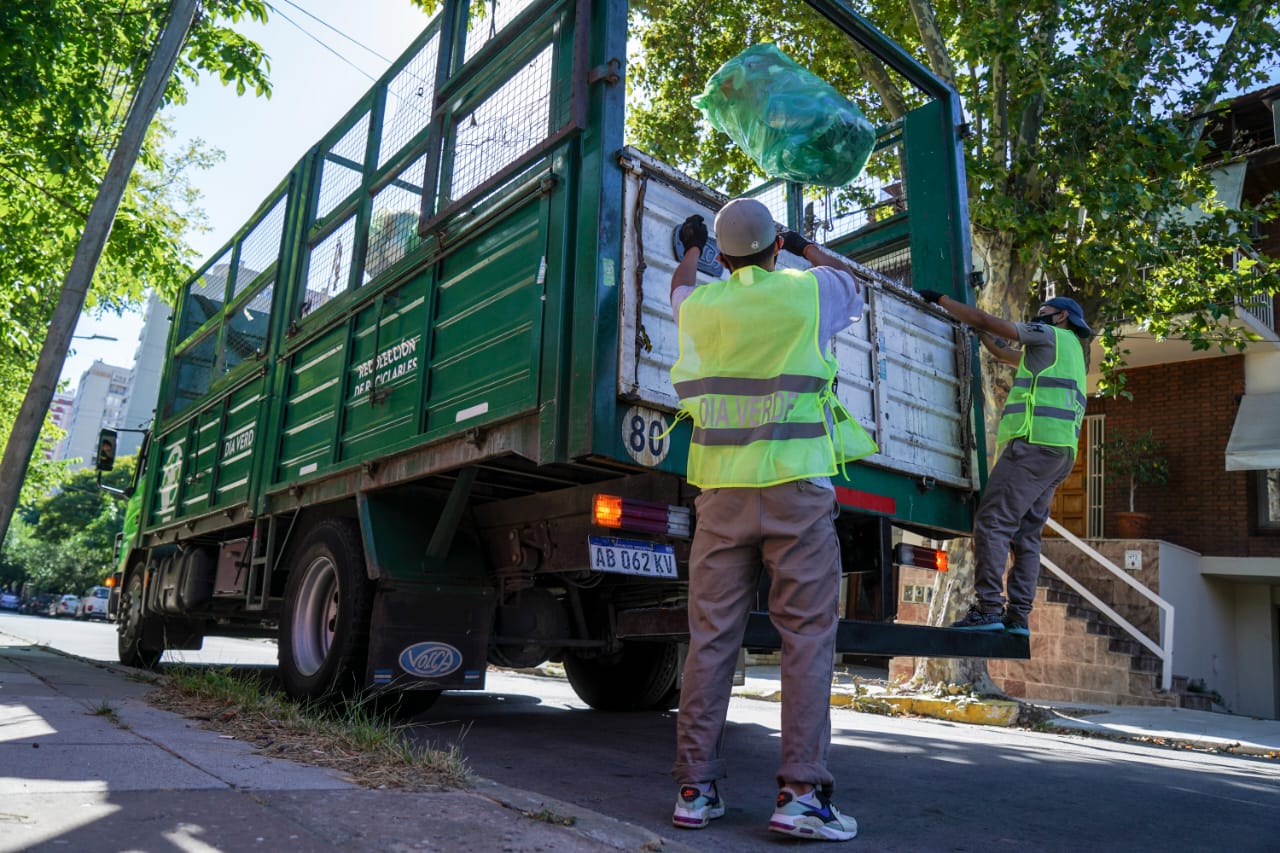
132,626
640,677
324,629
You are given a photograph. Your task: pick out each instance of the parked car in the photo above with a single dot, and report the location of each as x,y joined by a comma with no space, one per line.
93,604
65,605
10,601
39,603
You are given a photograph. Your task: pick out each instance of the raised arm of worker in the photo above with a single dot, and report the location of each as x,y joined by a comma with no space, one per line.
971,315
818,256
1000,348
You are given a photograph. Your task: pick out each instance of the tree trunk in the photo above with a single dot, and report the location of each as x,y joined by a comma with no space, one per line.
1005,294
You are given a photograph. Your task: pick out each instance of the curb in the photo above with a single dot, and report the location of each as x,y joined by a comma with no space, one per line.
982,712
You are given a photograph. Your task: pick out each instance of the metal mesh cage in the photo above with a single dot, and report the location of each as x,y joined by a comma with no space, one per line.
194,371
408,105
393,225
504,126
261,247
246,329
878,194
205,296
329,267
895,265
497,14
343,167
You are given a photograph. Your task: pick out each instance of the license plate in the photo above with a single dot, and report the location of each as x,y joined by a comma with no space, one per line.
627,557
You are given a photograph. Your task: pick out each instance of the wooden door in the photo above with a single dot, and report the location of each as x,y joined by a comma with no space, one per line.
1070,506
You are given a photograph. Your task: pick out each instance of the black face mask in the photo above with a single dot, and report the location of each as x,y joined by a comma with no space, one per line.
1047,319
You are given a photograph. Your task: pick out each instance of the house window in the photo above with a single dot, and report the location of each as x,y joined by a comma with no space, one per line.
1269,499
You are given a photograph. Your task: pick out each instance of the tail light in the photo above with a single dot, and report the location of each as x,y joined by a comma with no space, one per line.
641,516
920,557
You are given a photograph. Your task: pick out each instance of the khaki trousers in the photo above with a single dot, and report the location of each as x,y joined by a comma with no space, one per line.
1011,517
788,531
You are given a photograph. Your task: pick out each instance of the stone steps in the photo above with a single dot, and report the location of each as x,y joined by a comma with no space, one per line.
1144,667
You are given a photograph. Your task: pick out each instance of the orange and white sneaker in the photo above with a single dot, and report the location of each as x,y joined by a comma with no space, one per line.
697,805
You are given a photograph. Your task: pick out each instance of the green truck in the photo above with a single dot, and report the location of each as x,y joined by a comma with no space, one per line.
414,418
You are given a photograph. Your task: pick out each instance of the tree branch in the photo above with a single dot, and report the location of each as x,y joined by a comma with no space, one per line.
876,74
55,199
1215,80
935,46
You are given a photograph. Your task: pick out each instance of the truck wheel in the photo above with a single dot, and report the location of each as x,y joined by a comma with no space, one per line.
324,630
131,648
640,677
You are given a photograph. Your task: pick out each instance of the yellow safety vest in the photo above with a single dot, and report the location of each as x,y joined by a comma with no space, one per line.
1048,407
754,380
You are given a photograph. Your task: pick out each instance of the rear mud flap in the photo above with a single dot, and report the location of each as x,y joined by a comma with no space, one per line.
425,636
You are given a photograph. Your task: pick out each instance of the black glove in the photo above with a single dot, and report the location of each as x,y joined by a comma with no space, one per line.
930,295
694,233
795,243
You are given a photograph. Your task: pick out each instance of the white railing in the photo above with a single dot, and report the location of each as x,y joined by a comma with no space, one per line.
1163,649
1260,305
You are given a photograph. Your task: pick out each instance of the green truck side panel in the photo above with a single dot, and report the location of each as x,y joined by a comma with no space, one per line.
349,344
487,325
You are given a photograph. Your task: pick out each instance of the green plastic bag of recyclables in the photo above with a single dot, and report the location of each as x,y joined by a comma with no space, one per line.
793,124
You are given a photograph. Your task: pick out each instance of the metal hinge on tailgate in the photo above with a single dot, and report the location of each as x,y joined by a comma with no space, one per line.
610,72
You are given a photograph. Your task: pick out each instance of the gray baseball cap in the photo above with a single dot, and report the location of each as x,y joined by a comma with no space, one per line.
744,227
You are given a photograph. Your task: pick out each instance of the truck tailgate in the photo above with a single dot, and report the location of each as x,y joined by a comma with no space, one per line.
904,368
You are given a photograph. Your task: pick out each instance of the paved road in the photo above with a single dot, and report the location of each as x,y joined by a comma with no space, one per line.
913,784
96,640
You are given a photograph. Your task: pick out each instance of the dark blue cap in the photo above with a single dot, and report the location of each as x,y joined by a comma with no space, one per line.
1075,314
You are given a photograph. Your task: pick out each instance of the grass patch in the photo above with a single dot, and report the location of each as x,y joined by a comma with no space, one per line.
352,737
547,816
104,709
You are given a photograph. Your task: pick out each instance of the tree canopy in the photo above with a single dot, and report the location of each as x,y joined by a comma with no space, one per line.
64,541
67,71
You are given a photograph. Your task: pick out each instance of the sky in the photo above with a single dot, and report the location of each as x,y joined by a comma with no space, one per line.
312,88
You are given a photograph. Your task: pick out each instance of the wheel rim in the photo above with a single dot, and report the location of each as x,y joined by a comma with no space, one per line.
131,611
315,618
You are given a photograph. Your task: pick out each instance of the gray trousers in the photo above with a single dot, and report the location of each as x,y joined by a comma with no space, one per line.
1011,516
788,531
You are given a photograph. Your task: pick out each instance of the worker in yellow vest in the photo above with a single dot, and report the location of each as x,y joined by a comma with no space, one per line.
755,375
1038,434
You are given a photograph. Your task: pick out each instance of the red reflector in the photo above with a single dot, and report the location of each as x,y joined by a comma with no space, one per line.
866,500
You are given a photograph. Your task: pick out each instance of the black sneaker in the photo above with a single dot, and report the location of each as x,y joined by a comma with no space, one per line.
976,620
1016,623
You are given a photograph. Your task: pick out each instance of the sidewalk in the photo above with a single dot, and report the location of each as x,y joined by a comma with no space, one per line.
86,764
1170,726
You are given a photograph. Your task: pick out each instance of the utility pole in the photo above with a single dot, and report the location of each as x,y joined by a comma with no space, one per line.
26,428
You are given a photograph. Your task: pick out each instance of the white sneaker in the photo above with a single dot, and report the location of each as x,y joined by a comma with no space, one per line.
811,816
697,805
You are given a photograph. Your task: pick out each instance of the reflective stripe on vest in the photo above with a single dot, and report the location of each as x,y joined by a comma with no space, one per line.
1048,407
753,379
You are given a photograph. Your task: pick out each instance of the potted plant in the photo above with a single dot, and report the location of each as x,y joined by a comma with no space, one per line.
1134,457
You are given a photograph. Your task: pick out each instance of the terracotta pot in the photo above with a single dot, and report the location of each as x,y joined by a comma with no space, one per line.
1132,525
